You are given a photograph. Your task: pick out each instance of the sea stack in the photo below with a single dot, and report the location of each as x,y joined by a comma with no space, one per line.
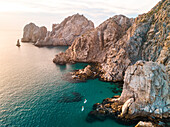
18,43
64,33
67,31
33,33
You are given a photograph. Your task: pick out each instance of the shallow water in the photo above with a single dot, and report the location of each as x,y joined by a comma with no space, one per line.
33,92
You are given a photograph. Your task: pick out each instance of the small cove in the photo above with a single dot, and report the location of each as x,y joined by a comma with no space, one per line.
33,91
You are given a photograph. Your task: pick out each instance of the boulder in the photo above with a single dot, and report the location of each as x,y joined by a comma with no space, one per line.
144,124
89,72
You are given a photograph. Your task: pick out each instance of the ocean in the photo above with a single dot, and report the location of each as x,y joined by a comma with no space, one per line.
35,92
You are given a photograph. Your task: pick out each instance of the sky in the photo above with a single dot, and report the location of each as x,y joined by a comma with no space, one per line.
15,14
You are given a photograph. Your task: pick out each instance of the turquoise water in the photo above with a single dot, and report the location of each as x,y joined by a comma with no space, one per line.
34,92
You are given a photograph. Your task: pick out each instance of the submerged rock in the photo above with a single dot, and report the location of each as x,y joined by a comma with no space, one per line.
69,98
33,33
67,31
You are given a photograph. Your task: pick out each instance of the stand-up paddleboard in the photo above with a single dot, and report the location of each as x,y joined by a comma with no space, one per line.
85,101
82,109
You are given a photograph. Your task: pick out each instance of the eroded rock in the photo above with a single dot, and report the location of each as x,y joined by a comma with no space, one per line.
148,83
119,42
33,33
99,45
67,31
145,96
89,72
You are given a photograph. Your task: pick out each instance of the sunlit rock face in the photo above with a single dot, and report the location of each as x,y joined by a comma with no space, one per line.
67,31
144,124
119,42
94,45
33,33
145,96
148,84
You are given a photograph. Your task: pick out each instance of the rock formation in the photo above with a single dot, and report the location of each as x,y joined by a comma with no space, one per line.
148,84
95,46
92,46
90,71
119,42
18,43
145,95
67,31
144,124
116,45
33,33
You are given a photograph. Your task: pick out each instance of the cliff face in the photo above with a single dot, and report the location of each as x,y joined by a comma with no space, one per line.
145,96
66,32
33,33
120,42
147,83
93,45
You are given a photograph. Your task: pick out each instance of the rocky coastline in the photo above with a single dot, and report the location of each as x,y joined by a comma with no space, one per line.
145,97
135,51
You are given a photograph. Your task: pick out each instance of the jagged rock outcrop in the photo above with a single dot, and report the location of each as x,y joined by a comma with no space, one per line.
94,46
33,33
120,42
90,71
67,31
148,84
145,96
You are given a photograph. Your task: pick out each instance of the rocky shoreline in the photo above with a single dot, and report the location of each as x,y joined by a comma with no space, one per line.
136,51
145,97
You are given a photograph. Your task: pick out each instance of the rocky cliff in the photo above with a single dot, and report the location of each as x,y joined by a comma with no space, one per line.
119,42
62,34
145,95
33,33
147,83
120,48
67,31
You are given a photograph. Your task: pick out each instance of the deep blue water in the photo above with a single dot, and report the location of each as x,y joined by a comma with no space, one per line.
33,92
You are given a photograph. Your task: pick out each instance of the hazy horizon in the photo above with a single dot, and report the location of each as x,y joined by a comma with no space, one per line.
15,14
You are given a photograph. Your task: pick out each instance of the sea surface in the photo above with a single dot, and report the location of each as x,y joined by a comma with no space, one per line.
34,91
